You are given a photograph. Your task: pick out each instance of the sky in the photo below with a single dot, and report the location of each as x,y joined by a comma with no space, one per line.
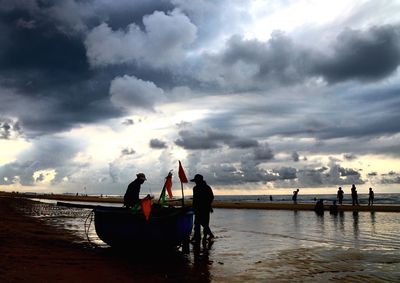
260,97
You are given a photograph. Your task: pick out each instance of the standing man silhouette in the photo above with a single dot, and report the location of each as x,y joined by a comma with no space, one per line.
202,198
340,195
354,195
294,198
371,197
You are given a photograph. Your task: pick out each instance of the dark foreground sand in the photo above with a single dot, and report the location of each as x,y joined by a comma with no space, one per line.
31,251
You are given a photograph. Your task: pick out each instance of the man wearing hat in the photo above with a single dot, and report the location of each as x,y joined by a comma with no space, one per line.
202,199
131,196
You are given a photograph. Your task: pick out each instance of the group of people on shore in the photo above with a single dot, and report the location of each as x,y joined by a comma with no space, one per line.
202,199
340,196
354,196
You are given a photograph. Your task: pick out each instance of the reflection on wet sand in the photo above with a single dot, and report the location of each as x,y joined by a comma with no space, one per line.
201,260
355,227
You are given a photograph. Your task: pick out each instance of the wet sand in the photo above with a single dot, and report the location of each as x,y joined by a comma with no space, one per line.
32,251
251,246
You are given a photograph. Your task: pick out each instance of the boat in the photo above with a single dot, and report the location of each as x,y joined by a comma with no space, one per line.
120,227
167,227
148,225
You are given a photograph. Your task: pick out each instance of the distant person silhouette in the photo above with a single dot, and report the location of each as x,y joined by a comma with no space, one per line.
294,198
270,198
354,195
131,197
202,198
340,195
371,197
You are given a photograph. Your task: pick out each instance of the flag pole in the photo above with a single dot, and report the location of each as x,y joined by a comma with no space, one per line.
183,196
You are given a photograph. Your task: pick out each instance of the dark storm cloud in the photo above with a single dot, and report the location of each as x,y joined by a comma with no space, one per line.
263,153
247,172
211,139
157,144
48,71
43,60
286,173
119,14
207,139
364,55
242,143
251,64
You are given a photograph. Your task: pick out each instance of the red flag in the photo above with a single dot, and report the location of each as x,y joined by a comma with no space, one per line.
168,184
145,203
181,174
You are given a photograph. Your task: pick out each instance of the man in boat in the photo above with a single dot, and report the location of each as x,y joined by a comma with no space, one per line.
131,196
202,198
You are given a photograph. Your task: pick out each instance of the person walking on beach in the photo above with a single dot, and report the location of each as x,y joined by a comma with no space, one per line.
371,197
294,198
340,195
131,197
354,195
202,198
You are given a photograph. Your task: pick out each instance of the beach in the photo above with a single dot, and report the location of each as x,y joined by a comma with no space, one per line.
42,242
33,251
230,203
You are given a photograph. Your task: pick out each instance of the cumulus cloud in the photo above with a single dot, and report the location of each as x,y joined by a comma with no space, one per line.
130,92
243,64
45,154
390,178
263,153
161,43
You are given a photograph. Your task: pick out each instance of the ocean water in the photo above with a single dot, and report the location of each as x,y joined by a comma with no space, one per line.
363,198
277,246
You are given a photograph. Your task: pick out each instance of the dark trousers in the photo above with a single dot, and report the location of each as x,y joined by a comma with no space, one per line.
202,219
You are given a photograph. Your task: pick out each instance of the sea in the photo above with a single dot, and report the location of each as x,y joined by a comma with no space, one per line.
363,198
276,245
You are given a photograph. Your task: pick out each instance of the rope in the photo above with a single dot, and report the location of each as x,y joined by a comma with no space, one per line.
89,219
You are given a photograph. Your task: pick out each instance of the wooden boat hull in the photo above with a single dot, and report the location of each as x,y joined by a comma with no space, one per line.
123,228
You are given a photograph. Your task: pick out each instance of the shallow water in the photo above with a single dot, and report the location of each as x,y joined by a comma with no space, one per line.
277,246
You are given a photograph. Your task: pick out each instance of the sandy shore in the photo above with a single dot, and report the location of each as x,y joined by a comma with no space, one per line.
218,204
32,251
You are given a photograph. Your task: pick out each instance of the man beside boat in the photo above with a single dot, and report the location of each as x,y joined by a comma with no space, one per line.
202,198
131,197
